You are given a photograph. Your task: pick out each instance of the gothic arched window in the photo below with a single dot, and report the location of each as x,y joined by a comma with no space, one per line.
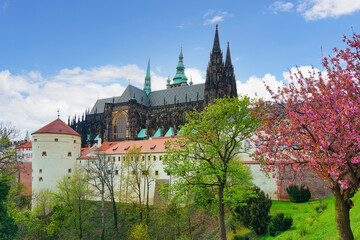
120,126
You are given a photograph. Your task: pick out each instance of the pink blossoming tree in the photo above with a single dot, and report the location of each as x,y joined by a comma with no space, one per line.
314,124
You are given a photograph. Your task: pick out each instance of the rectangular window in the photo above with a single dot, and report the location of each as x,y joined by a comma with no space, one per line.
74,141
119,158
69,154
69,170
143,158
113,159
156,172
149,158
40,170
56,140
116,172
160,158
35,140
44,154
154,158
40,179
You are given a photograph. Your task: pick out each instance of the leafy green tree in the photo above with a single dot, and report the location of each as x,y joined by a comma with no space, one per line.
102,173
8,227
254,211
71,205
207,154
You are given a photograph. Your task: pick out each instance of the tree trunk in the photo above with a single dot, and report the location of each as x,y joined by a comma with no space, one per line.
102,212
222,212
114,209
80,220
342,216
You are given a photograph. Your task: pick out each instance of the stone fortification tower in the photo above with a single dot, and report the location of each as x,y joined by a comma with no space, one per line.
55,148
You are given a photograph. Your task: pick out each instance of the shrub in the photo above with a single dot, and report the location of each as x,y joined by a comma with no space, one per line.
253,213
238,237
297,195
279,223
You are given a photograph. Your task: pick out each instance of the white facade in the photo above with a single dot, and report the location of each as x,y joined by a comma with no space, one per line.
54,155
24,153
125,193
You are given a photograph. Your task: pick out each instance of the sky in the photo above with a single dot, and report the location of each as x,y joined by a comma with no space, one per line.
64,55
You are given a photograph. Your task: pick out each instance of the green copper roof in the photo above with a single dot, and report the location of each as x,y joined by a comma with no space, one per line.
180,132
170,132
96,138
180,75
158,133
142,133
147,85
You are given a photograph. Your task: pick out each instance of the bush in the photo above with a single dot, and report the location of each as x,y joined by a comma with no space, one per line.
297,195
238,237
279,223
253,213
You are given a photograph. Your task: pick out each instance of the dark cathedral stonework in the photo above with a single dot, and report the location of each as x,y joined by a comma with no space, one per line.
140,113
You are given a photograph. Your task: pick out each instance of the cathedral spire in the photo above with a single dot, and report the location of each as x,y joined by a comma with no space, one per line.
147,85
180,77
216,46
228,57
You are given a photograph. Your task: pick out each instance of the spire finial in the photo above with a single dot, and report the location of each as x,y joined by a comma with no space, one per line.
181,45
58,111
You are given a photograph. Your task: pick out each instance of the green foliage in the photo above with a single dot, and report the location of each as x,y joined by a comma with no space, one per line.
8,227
205,160
238,237
279,223
298,195
321,208
254,211
140,232
71,207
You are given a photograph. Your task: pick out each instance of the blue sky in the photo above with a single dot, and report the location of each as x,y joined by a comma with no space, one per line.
66,54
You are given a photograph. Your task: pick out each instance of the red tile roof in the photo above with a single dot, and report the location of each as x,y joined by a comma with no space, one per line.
106,145
25,145
83,150
58,127
155,145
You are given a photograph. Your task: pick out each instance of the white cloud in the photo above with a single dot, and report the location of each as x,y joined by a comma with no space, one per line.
195,74
255,87
319,9
214,16
29,101
280,6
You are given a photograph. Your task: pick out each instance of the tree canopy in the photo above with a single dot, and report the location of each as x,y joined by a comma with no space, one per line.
313,124
205,160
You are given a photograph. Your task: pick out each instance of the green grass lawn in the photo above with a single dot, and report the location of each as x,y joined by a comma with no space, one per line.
309,224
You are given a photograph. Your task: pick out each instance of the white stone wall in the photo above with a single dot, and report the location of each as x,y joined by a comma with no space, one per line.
24,154
53,158
156,172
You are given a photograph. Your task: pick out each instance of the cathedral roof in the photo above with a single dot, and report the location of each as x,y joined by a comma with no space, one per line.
58,127
156,98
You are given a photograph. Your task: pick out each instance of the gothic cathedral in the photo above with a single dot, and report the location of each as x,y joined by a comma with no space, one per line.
142,113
